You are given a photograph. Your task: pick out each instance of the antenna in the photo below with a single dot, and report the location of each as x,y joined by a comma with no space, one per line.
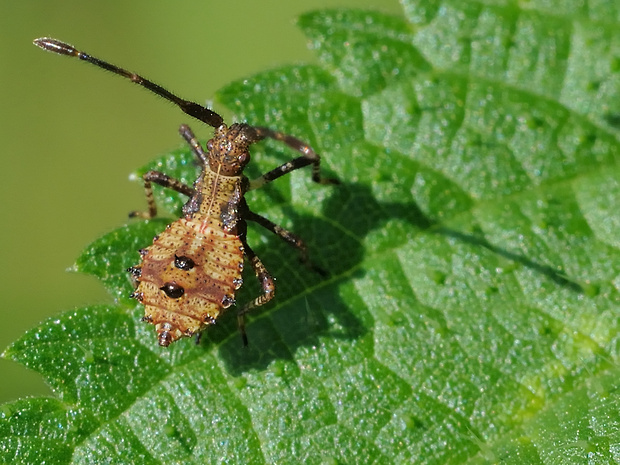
191,108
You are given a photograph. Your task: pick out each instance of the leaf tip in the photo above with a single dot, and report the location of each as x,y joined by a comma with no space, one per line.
75,268
9,353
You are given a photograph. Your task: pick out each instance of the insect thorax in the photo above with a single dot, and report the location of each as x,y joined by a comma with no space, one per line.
217,198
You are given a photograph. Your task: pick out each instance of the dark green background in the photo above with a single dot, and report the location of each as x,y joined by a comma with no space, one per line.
71,134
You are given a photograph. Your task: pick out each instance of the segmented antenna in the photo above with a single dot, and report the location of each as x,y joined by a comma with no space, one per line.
191,108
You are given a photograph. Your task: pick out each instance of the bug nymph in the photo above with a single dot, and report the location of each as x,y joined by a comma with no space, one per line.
191,272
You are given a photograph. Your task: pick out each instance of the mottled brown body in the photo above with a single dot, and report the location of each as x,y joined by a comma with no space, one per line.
190,274
208,287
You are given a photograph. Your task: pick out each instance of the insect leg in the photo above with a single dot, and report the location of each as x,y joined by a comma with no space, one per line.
287,236
191,140
279,231
163,180
309,157
267,283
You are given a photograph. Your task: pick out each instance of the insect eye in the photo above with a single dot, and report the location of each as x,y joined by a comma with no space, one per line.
184,263
244,158
173,290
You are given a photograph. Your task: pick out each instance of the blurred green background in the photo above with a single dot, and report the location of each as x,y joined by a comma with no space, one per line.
71,133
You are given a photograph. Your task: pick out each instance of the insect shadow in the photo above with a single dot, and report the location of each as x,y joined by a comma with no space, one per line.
310,305
320,312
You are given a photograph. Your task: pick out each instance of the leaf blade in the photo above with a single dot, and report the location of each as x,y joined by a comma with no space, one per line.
473,256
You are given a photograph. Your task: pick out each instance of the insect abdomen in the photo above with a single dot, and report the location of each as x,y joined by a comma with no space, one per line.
188,276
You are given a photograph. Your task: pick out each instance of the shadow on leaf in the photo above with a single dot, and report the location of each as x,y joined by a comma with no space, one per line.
308,306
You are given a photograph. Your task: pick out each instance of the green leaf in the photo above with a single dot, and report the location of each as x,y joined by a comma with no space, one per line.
470,313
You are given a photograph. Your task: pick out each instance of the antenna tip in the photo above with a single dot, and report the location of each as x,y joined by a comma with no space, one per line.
56,46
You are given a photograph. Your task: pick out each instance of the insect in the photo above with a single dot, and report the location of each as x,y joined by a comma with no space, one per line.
191,272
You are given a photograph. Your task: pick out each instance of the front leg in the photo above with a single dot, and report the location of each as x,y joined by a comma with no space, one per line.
191,140
163,180
309,157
